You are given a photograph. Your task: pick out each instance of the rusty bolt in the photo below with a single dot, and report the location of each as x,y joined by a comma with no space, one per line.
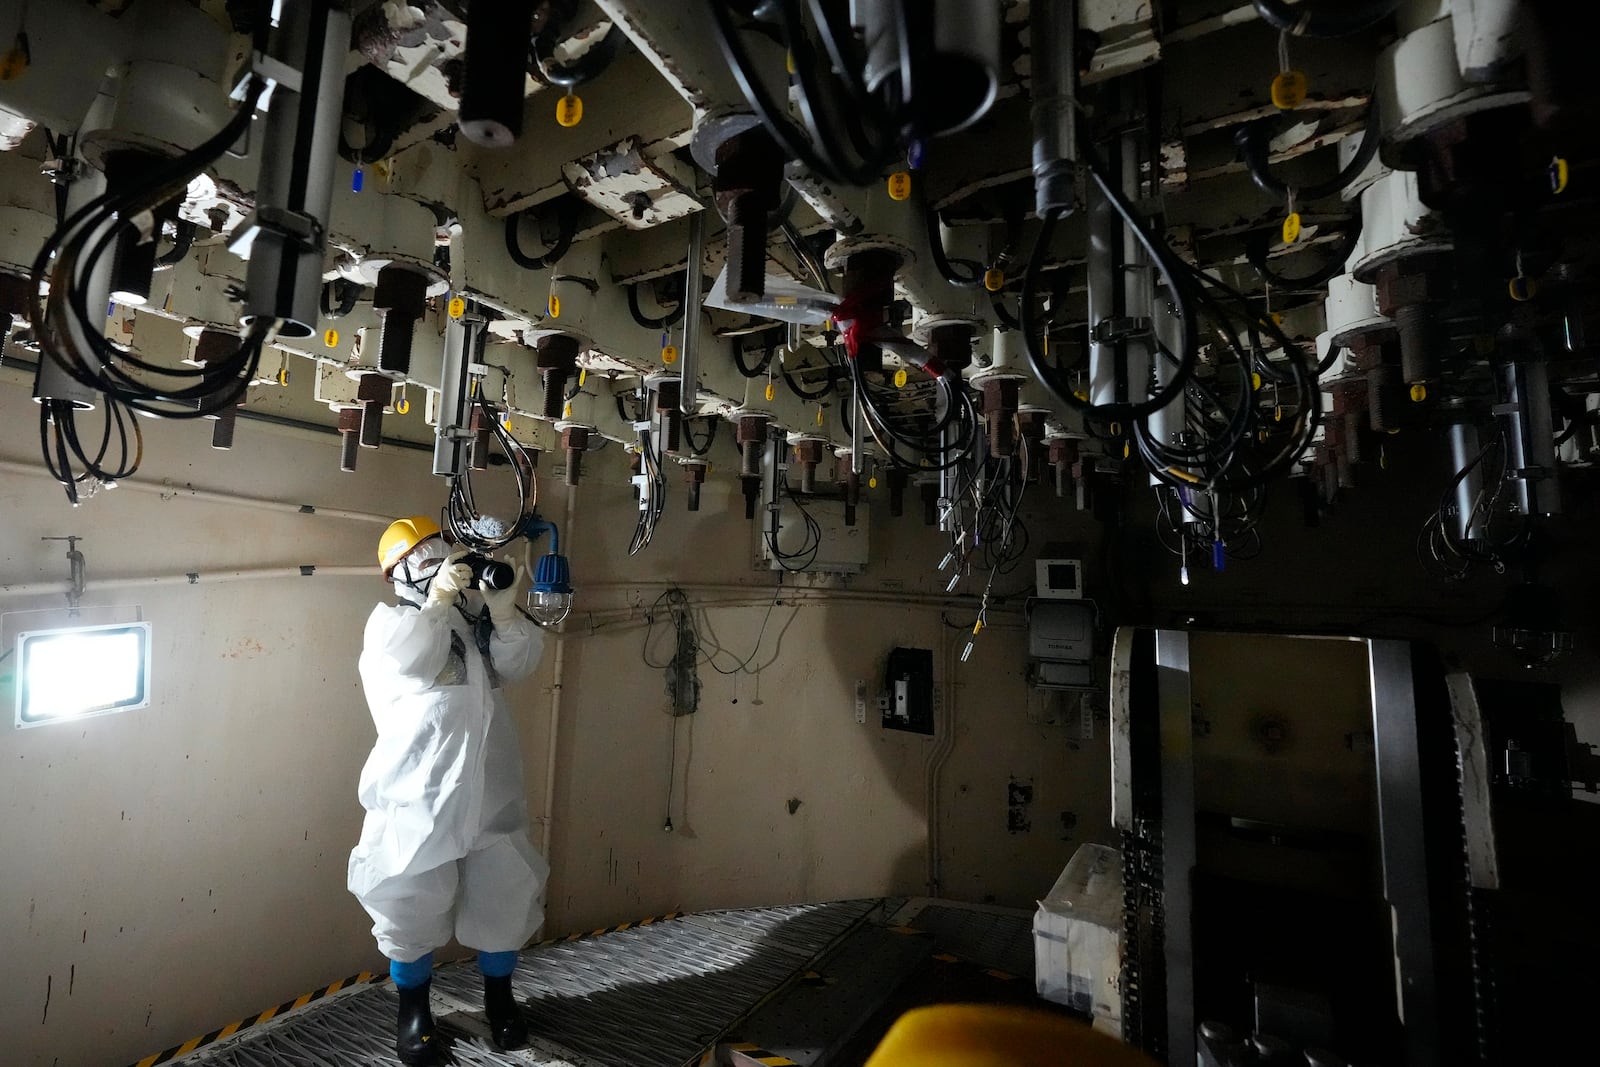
349,438
751,433
950,349
694,476
374,391
746,188
807,454
556,357
400,299
999,405
575,439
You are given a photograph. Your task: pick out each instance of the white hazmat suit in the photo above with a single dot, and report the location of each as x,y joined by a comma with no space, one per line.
444,849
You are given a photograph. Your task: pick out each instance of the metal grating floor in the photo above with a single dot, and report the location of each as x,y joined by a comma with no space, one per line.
648,996
996,937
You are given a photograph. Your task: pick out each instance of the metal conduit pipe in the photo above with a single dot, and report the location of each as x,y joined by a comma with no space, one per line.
557,683
307,570
213,496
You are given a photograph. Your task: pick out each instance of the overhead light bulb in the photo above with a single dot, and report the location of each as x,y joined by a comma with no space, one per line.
551,597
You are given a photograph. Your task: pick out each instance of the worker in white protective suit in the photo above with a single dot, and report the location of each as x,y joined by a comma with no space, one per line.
444,850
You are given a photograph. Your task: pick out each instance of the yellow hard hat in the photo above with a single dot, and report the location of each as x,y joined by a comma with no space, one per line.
401,537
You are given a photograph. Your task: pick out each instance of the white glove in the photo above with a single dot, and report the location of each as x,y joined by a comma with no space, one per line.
448,581
502,603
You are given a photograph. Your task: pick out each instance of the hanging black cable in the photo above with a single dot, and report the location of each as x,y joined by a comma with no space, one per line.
1252,141
970,274
801,391
340,297
747,371
464,522
654,322
70,332
566,218
581,70
697,449
855,117
182,241
1258,242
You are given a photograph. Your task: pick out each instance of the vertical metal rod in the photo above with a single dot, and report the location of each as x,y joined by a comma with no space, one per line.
857,444
1138,281
1463,449
460,340
1053,33
1102,270
689,395
1403,840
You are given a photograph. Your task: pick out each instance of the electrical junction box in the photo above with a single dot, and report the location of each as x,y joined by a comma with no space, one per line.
841,549
1061,643
908,684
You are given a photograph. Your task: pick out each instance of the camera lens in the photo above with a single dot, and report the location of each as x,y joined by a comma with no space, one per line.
497,575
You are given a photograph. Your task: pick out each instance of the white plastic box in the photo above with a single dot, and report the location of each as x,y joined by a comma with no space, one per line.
1077,937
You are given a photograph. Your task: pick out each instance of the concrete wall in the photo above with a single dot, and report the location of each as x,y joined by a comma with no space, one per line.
170,869
778,793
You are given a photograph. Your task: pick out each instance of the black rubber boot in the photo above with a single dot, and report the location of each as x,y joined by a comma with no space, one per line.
506,1024
416,1042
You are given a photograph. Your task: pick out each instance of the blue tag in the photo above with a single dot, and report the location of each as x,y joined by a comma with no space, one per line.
1219,555
357,180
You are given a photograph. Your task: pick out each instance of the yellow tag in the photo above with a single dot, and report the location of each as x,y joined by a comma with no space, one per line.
669,355
1081,394
283,376
1255,381
872,483
1124,450
331,338
1419,393
457,307
402,406
569,110
900,378
899,185
788,62
977,626
819,414
555,306
1558,175
1291,228
566,412
1277,413
583,376
994,279
505,424
772,392
1289,90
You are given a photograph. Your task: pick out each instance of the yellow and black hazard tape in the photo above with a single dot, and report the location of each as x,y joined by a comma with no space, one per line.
761,1055
256,1020
946,957
583,936
189,1046
992,972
